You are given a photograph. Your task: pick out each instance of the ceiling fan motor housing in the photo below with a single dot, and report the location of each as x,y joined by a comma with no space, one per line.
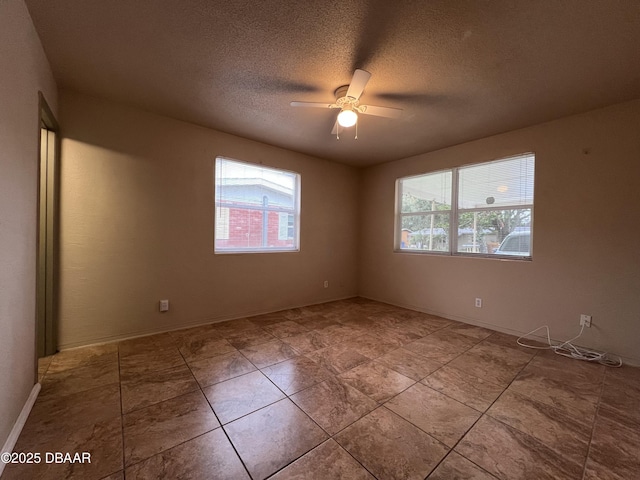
343,102
348,102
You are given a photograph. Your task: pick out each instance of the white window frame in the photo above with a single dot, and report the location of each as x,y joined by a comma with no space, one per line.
284,225
295,212
454,214
222,223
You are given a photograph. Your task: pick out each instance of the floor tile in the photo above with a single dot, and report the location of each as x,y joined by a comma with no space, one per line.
510,454
345,315
285,329
297,313
268,319
472,331
569,369
327,461
241,395
373,441
442,347
621,393
511,341
356,331
403,337
249,338
232,327
392,316
79,379
330,308
539,424
562,384
316,322
372,346
499,365
333,404
359,321
390,319
376,381
115,476
272,437
334,334
296,374
185,334
352,308
82,357
269,353
43,366
456,467
150,361
204,346
321,308
102,440
551,426
209,456
149,343
337,358
142,390
408,363
54,416
153,429
614,452
220,368
422,326
625,374
376,311
306,342
436,414
433,322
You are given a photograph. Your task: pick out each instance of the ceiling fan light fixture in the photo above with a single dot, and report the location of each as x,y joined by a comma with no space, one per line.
347,118
348,102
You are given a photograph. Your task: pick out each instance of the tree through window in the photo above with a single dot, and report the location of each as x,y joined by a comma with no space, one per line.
467,210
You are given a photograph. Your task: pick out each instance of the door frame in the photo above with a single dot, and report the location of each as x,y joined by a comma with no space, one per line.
47,253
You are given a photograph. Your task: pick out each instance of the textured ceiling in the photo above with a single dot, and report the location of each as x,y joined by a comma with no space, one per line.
460,70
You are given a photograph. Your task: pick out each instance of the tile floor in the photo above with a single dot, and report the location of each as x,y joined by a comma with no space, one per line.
353,389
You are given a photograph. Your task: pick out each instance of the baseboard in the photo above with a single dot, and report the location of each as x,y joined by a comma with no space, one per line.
195,323
19,425
630,361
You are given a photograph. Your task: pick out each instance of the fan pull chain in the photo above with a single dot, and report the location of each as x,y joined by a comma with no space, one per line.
356,129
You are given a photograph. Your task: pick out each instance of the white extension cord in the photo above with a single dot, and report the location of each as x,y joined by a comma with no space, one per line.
567,349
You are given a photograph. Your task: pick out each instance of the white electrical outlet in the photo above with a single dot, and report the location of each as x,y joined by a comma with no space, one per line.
585,320
164,305
326,284
478,302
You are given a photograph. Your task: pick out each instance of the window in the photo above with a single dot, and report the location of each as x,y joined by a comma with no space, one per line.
484,209
222,223
257,208
285,226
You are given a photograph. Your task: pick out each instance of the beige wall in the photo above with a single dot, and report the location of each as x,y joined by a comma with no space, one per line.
137,227
587,207
23,71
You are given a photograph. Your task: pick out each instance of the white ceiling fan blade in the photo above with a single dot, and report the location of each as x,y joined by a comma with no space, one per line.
380,111
311,104
358,82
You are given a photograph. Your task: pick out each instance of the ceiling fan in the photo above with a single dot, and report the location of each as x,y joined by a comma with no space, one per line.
348,101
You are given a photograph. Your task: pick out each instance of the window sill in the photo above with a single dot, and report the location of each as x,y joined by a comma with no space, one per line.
465,255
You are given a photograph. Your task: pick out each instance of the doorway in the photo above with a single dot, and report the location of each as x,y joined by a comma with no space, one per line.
47,260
